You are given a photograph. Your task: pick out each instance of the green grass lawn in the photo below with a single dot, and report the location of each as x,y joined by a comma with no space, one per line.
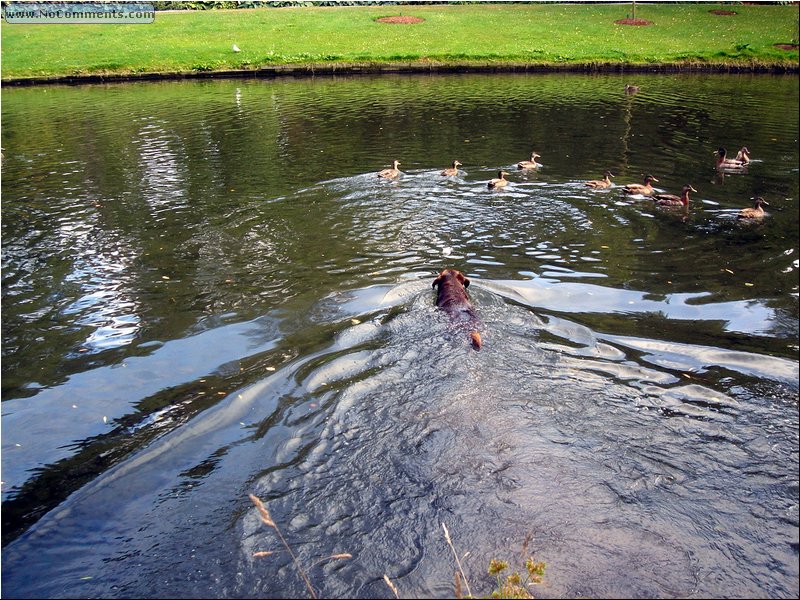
535,34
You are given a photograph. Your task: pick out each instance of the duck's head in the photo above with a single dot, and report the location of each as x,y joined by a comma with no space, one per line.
535,155
688,188
395,164
502,174
759,201
721,152
650,179
608,174
456,163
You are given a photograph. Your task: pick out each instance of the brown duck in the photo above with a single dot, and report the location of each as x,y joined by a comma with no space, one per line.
530,164
391,173
644,189
673,200
600,183
452,171
729,164
499,181
743,155
756,212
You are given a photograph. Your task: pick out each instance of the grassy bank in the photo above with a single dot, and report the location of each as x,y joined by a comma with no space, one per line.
523,35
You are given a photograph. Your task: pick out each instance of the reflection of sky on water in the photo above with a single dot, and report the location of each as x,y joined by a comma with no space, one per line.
688,357
90,403
162,170
746,316
108,305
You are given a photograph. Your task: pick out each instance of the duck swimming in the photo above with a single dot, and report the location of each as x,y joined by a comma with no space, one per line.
452,171
500,181
644,189
672,200
756,212
729,164
390,173
600,183
529,164
743,155
631,89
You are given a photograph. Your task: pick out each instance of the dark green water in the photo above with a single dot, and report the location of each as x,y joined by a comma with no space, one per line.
207,292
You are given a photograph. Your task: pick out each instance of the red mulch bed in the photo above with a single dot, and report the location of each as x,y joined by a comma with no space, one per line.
722,12
401,20
633,22
786,46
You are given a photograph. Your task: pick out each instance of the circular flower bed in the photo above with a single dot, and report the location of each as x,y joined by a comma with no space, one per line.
401,20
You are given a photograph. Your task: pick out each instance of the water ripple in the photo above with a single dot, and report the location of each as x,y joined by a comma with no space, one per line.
225,299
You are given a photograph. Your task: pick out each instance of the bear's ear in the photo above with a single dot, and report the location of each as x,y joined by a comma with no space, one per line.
466,282
463,279
442,276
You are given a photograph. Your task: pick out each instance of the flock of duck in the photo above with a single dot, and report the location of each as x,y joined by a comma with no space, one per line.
723,164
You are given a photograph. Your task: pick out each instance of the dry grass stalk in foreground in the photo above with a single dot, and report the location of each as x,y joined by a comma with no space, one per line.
458,562
513,586
267,520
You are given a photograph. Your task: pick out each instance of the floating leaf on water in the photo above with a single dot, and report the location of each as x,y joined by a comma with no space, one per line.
391,586
341,556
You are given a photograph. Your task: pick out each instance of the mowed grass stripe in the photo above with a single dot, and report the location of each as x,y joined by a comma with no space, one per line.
565,34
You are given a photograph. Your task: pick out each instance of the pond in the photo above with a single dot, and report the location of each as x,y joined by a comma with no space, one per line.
208,293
